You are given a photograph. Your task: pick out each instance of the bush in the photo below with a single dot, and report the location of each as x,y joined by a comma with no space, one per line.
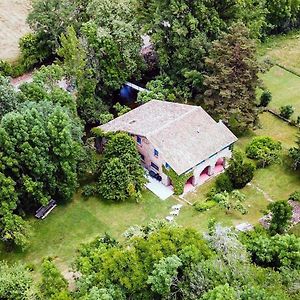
295,196
287,111
264,149
223,183
5,68
265,98
204,206
239,171
89,190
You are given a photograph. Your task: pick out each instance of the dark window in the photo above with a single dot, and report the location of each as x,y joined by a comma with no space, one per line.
155,153
167,166
153,165
142,156
139,140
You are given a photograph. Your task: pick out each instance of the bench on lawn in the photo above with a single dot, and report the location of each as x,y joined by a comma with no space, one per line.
44,211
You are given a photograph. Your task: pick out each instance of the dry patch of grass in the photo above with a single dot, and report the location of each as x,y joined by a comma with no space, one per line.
284,50
13,14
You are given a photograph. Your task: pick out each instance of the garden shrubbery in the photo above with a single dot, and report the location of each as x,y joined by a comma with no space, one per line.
295,196
265,98
287,111
240,171
265,150
204,206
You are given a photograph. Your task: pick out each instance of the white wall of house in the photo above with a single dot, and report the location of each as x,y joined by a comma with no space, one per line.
146,149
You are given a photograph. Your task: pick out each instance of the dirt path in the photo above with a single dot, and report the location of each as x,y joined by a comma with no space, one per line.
266,195
13,14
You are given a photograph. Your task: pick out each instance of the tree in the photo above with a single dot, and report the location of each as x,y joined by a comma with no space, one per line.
232,79
181,32
112,44
240,171
287,111
15,282
281,216
157,257
282,15
8,99
276,251
48,19
45,87
221,292
265,98
294,153
40,148
231,201
52,284
14,231
114,182
121,168
164,275
265,150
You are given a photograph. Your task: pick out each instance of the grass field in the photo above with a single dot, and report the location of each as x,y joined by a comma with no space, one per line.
61,233
277,181
283,49
285,88
13,14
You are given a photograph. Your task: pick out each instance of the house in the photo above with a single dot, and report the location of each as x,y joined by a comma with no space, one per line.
177,136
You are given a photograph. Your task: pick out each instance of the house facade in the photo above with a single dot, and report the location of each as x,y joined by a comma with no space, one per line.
179,137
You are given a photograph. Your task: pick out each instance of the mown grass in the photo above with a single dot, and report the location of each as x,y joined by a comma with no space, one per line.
284,86
277,181
62,232
283,49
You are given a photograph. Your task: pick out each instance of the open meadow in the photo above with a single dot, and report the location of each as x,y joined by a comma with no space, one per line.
13,14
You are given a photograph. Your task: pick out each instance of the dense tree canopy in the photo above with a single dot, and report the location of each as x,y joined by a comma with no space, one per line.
232,79
121,174
40,147
8,99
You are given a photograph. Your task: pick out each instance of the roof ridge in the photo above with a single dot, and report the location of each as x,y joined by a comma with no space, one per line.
172,121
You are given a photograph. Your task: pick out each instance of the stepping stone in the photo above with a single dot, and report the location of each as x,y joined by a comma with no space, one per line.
169,218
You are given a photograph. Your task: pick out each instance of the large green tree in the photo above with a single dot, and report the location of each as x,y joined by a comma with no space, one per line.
232,79
16,282
8,99
282,213
121,175
40,147
181,31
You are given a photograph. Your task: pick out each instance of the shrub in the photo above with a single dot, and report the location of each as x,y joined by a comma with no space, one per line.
239,171
295,196
223,183
281,216
264,149
204,206
89,190
287,111
5,68
265,98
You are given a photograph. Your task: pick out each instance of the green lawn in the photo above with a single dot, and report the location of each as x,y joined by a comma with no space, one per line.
285,88
277,181
61,233
283,49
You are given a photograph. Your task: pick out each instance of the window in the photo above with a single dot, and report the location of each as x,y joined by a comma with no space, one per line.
142,156
153,165
155,153
139,140
168,166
